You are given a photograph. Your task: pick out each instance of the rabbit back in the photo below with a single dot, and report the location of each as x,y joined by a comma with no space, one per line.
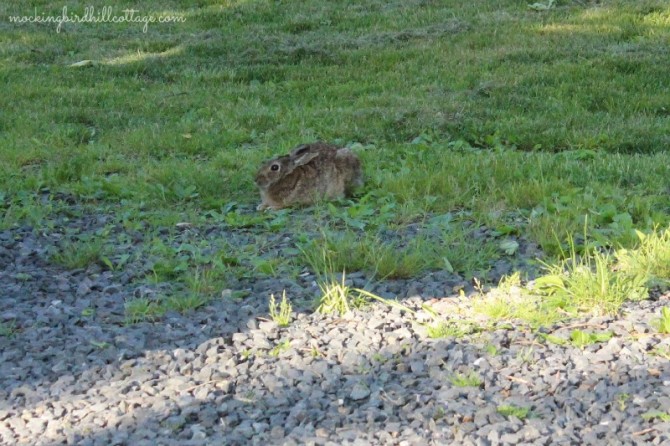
314,171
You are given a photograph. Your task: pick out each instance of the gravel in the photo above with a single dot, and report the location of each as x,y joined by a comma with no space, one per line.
72,372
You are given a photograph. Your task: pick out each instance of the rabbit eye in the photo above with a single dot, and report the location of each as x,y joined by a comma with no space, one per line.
274,167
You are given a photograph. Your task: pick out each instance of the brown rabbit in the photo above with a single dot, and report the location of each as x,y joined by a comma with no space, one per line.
309,173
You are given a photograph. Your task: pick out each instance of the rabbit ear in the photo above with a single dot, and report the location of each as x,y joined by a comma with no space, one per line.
303,157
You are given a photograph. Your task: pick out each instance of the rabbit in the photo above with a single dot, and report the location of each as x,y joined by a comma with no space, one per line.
310,172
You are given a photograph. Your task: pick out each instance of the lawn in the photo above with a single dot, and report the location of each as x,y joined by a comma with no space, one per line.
550,123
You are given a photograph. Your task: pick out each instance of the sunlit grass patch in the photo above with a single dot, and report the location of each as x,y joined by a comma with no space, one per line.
336,297
513,301
650,260
280,312
591,284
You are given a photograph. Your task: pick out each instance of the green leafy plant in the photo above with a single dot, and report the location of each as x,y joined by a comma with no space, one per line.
578,338
470,379
491,349
553,339
100,344
581,339
656,415
622,401
510,410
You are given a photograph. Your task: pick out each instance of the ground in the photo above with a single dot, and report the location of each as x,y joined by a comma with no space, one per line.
504,267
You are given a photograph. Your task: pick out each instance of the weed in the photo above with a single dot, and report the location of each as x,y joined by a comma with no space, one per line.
395,260
141,309
280,348
450,329
656,415
663,323
471,379
526,355
205,281
491,349
8,329
117,264
100,344
280,313
553,339
185,302
335,297
380,358
266,267
581,339
440,412
509,410
622,401
79,254
512,301
662,352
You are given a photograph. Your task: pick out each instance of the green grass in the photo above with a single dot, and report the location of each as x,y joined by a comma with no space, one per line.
650,260
591,283
336,297
142,309
454,249
663,323
450,329
78,254
528,121
185,303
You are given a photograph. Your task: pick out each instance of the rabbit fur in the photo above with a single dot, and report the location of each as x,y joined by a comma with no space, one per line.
309,173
